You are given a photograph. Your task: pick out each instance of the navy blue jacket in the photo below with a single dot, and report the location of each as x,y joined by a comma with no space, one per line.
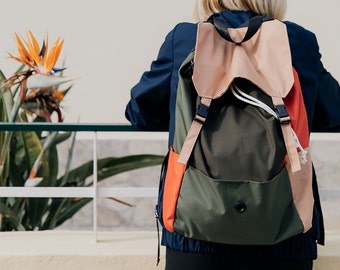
152,107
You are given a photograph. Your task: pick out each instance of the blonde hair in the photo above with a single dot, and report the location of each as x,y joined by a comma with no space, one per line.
272,8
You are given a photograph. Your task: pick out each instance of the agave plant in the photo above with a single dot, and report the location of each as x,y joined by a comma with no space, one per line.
31,158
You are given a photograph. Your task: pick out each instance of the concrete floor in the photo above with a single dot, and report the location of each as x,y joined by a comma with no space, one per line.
70,250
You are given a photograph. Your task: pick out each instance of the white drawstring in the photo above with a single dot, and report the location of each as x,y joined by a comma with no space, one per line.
303,152
239,94
251,100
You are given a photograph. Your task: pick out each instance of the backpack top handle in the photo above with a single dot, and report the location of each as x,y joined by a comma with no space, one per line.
222,27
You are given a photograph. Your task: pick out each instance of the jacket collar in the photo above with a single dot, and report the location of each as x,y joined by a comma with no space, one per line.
237,18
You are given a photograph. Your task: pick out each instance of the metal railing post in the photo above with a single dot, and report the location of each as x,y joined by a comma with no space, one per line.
95,186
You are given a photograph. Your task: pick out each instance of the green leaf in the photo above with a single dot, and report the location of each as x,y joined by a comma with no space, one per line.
10,217
71,210
32,147
8,102
52,160
16,173
6,108
61,137
111,166
128,163
68,161
62,209
2,76
36,209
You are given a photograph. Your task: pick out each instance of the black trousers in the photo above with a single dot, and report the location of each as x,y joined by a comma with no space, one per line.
176,260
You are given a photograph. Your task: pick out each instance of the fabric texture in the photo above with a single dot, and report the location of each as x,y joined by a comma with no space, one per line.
185,261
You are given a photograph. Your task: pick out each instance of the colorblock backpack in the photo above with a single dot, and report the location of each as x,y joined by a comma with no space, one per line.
239,171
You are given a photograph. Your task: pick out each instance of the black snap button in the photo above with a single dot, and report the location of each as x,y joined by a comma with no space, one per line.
240,207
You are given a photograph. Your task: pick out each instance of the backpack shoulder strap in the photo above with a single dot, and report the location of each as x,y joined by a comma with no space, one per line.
194,130
287,133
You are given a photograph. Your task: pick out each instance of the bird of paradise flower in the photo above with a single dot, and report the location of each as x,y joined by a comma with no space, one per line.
39,93
38,89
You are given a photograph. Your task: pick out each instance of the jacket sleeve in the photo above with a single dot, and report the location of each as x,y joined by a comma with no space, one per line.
148,108
326,113
321,91
327,106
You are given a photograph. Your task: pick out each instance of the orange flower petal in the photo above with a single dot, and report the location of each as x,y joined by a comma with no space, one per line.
24,54
33,48
30,53
53,56
59,95
34,42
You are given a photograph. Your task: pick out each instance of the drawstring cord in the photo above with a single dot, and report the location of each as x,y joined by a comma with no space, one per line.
239,94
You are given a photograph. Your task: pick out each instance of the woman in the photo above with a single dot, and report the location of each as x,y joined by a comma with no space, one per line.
152,108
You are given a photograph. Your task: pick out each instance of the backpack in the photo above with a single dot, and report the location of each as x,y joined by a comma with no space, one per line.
239,171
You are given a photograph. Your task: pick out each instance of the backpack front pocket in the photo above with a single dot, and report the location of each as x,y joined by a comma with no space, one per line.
236,212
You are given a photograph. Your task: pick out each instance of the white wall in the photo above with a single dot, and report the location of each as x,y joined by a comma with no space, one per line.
109,43
321,17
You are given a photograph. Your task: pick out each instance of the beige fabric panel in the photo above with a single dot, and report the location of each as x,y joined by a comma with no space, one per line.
301,184
218,62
